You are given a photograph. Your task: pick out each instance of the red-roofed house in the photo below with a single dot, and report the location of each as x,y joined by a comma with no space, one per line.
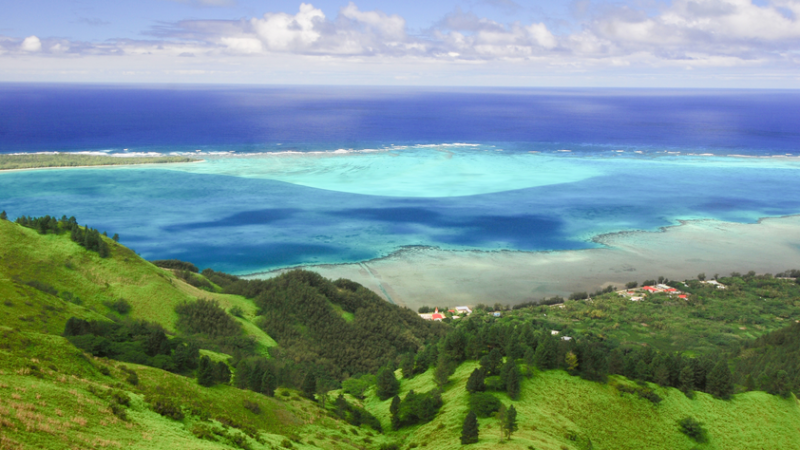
437,315
683,296
650,288
671,290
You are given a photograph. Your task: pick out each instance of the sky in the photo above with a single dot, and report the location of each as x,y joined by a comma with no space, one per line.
580,43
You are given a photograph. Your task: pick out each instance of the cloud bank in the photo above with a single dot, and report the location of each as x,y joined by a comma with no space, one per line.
684,33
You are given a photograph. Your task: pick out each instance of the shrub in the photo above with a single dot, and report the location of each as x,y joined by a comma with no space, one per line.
237,311
132,378
253,407
203,432
166,407
484,404
43,287
175,264
118,411
285,443
121,306
694,429
120,398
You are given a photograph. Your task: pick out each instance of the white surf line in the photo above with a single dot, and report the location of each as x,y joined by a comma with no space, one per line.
380,286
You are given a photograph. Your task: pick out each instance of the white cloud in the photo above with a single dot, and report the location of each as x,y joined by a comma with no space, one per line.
281,31
684,33
31,44
392,27
244,45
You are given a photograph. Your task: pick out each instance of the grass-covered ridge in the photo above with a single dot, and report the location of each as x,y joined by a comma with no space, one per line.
36,161
47,278
67,310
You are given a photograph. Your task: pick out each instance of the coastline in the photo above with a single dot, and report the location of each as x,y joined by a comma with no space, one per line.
103,166
417,276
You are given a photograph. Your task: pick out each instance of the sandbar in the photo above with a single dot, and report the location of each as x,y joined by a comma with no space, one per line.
416,276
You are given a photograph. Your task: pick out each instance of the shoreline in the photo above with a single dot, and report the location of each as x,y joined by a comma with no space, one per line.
102,166
597,239
420,275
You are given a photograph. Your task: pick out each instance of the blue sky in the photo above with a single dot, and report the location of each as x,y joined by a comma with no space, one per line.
637,43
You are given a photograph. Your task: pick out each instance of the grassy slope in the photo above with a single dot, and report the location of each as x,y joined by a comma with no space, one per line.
65,405
554,405
153,292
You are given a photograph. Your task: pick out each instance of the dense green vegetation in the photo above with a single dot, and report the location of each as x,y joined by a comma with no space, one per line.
86,237
9,162
305,314
113,351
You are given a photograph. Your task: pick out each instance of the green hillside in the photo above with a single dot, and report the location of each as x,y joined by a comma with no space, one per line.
317,383
45,279
558,411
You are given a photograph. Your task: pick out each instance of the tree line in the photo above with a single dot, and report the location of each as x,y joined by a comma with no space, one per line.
86,237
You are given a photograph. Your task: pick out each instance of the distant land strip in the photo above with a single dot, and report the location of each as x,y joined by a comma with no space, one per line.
39,161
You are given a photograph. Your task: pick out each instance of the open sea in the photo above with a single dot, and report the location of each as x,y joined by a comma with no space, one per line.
317,175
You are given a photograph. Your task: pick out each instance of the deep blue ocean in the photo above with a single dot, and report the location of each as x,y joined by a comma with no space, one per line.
299,175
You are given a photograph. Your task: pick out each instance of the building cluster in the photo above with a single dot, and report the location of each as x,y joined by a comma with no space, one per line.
452,313
638,294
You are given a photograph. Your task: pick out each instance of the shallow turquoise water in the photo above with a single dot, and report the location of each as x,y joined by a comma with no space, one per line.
248,213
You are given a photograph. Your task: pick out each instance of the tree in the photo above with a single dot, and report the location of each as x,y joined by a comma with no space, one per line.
547,353
443,370
701,276
510,422
475,383
115,237
222,374
407,365
205,372
309,387
719,382
643,371
661,372
631,285
469,431
268,383
394,408
492,363
686,380
513,381
242,374
3,216
387,385
572,362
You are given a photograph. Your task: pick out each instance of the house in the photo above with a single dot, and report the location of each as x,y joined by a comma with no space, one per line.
651,289
554,332
714,283
637,299
683,296
566,338
463,309
497,314
435,315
